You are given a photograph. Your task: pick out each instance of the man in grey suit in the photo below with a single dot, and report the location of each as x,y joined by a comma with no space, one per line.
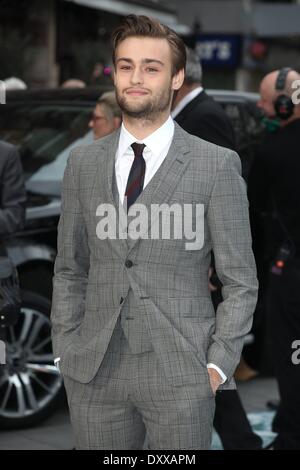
135,334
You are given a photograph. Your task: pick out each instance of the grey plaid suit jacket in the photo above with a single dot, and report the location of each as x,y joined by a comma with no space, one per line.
169,282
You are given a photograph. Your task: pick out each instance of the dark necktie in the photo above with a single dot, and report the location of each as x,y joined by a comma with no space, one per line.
135,182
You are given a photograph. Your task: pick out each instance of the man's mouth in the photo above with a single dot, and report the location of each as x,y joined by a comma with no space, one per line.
136,92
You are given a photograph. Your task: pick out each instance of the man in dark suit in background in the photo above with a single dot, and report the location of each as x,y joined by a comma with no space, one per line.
12,196
12,191
274,195
200,115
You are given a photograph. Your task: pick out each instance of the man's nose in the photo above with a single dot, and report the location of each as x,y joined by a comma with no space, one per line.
137,76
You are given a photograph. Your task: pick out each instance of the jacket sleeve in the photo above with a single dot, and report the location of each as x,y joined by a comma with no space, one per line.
228,223
71,265
13,194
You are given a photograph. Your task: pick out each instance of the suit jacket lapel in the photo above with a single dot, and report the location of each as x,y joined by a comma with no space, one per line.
106,180
161,187
111,146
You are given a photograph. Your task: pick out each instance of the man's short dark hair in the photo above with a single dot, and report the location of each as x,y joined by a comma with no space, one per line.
143,26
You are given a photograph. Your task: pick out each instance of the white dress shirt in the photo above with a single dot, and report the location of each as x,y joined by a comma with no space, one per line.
186,100
157,146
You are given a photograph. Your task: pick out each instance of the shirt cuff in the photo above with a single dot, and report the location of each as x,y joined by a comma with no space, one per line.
213,366
57,359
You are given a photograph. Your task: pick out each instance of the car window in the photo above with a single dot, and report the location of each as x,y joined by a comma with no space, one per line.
42,131
254,127
246,121
233,111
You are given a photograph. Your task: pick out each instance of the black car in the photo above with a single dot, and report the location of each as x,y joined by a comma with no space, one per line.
45,125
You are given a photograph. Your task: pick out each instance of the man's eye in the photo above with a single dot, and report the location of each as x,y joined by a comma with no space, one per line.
151,69
125,67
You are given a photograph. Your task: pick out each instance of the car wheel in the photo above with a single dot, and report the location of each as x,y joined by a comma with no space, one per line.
30,384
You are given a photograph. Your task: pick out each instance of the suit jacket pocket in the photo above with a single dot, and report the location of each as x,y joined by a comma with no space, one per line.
195,319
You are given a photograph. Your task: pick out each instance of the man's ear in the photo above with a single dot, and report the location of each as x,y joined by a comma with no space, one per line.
178,80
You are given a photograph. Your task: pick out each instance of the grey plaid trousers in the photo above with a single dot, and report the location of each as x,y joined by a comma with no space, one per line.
130,400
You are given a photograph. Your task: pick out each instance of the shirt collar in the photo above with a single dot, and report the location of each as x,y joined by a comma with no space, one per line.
186,100
155,141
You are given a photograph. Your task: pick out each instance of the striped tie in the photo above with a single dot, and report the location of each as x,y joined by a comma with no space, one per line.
136,176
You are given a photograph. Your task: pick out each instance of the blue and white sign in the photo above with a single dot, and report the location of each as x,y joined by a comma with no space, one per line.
219,50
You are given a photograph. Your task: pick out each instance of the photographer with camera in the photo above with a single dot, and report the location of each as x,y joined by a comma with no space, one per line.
274,185
12,216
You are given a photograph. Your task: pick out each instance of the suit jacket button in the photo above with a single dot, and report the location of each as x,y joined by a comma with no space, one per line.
128,263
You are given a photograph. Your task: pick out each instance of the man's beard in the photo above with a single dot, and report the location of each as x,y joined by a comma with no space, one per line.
149,109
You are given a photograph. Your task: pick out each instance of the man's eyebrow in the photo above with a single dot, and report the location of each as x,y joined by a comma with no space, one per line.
144,61
148,61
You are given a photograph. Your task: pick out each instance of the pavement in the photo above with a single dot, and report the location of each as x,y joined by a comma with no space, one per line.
56,433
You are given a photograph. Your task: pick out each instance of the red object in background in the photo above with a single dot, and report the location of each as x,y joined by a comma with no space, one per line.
258,50
107,70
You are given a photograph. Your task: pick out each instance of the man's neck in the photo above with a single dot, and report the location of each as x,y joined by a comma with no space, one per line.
142,128
183,91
